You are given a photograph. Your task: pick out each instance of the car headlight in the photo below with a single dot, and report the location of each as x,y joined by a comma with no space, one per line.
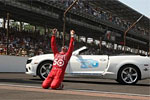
28,61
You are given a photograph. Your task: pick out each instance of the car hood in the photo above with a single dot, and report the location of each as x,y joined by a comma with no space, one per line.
43,56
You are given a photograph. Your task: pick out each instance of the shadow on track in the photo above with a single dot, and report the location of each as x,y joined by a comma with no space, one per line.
39,81
20,81
103,83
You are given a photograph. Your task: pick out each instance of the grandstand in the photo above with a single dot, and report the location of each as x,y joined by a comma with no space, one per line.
105,21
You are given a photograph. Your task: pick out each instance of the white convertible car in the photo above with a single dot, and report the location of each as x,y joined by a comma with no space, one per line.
125,69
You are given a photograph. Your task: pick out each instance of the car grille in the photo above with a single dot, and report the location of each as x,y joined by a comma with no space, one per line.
28,61
26,70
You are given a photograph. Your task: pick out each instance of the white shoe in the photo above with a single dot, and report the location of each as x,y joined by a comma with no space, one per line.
60,87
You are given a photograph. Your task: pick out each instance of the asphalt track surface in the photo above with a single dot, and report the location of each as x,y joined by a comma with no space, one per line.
19,86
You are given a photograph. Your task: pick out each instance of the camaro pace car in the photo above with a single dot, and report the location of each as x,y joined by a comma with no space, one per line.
125,69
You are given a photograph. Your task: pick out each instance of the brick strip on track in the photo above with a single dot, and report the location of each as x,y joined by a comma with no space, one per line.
73,92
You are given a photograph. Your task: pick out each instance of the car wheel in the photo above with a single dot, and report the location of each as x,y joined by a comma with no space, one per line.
44,69
128,75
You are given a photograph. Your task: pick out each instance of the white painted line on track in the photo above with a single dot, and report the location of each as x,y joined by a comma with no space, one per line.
17,85
90,91
129,94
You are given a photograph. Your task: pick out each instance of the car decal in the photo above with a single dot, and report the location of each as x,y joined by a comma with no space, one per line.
88,63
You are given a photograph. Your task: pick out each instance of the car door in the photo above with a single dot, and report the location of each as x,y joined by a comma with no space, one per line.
88,64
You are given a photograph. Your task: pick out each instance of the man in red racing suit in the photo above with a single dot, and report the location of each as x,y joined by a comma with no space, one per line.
56,76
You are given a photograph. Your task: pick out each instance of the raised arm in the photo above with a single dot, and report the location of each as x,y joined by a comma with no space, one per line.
53,42
71,45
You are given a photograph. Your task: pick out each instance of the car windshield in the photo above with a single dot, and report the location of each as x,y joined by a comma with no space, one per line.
97,51
89,51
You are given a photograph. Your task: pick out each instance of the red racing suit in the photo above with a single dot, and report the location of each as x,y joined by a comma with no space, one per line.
60,62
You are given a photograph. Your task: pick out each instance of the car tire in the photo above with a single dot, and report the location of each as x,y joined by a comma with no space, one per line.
128,75
44,69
